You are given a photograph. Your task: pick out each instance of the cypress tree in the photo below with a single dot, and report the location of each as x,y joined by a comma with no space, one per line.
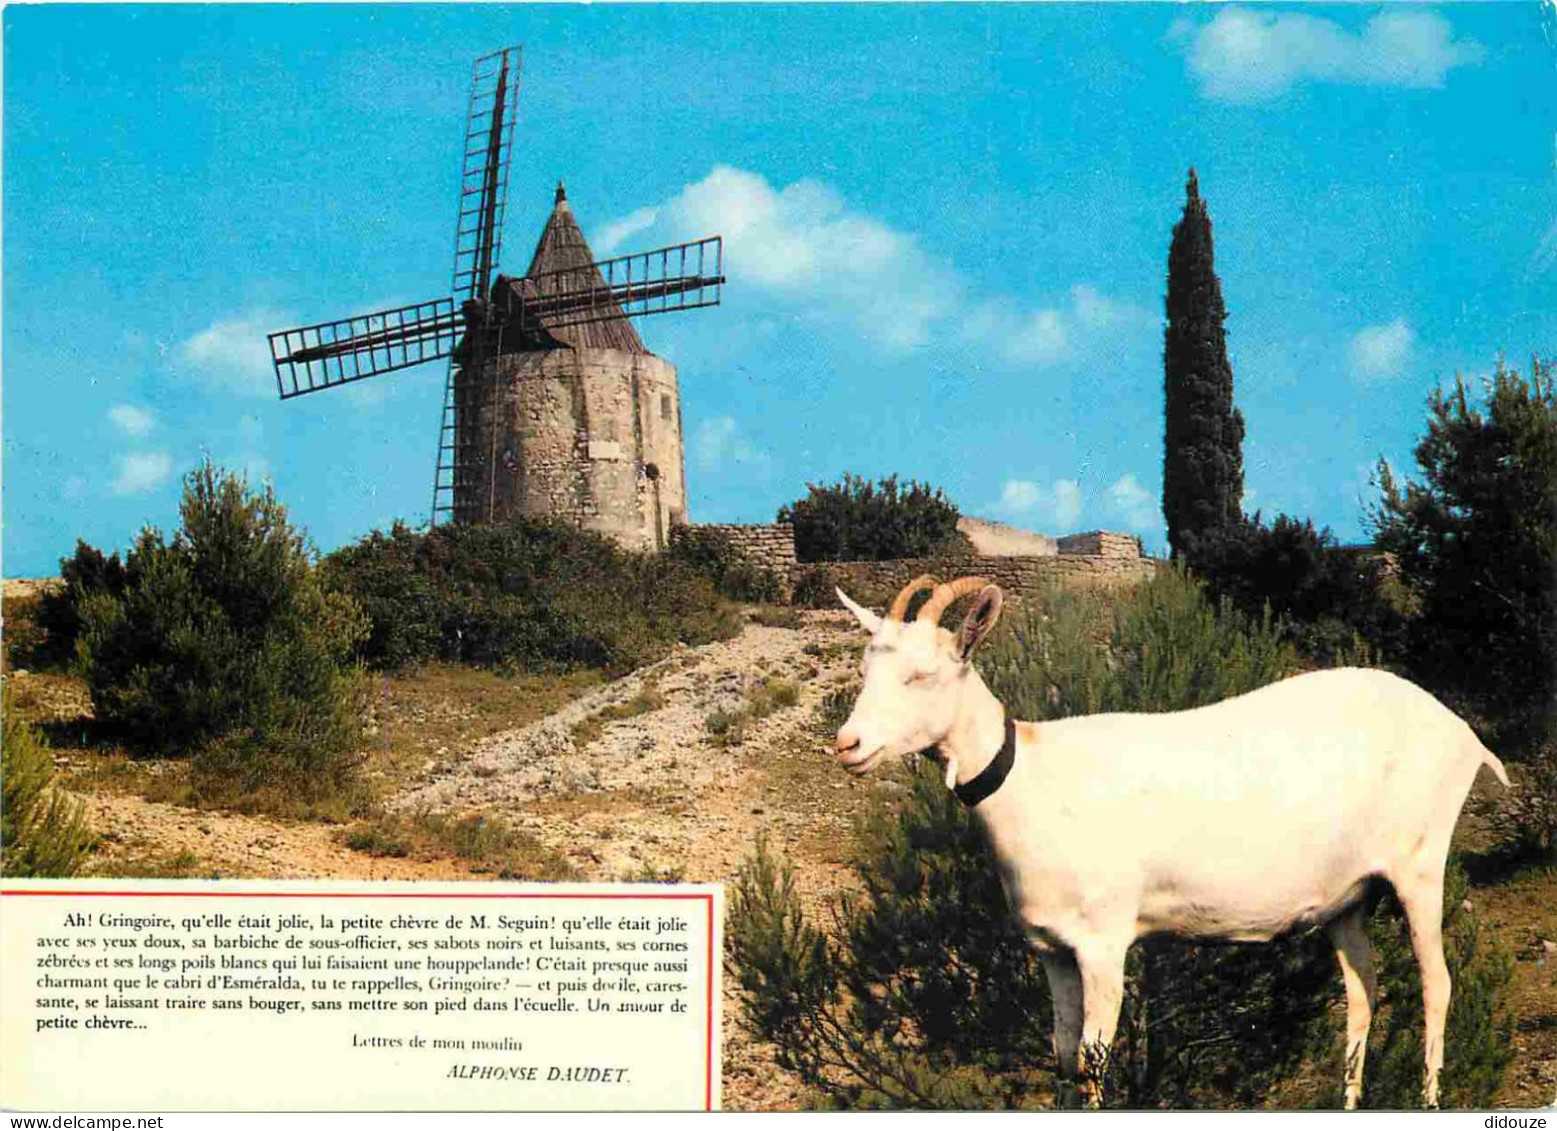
1202,472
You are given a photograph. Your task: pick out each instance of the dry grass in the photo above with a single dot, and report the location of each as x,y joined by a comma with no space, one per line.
775,616
146,862
487,842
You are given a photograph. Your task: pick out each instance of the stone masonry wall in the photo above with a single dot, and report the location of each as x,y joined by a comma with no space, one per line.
1101,544
589,436
770,546
876,583
1099,557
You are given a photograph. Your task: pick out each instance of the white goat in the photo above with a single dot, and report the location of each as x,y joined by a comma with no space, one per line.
1234,822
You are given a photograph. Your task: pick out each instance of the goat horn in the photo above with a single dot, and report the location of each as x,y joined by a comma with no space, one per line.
944,595
901,602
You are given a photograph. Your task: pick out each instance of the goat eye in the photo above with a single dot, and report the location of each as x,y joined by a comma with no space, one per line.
920,677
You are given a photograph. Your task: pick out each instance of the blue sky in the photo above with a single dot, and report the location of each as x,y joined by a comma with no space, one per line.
946,232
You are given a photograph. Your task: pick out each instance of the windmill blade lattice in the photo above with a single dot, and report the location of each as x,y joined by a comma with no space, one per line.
487,146
326,354
684,276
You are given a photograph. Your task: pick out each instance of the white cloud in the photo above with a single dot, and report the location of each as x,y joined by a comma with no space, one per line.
235,352
1135,505
142,471
1057,507
131,419
1053,334
719,443
1245,55
1379,352
1545,256
614,234
806,245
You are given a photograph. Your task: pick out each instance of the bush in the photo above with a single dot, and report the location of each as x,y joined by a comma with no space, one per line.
42,830
710,554
926,994
814,589
1325,598
1475,541
1161,646
530,594
223,644
58,620
856,520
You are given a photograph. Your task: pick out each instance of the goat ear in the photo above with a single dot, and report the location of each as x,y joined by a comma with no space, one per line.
980,619
869,621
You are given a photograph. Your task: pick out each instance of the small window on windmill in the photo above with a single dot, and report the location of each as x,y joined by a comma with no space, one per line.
665,407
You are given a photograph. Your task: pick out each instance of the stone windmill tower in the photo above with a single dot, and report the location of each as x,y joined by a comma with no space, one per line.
582,422
552,406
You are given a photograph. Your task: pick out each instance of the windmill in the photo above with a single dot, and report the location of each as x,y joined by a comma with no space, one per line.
566,301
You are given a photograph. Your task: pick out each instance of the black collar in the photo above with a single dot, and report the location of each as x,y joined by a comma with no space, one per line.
992,776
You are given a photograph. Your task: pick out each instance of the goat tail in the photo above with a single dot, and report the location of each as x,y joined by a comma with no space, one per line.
1490,760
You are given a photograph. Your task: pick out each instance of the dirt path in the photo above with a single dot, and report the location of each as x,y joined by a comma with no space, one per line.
656,789
657,793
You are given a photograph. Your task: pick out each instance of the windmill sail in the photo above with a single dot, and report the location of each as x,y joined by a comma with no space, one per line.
684,276
478,244
326,354
487,146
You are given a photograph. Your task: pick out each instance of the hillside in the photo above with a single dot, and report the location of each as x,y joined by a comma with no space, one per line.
666,773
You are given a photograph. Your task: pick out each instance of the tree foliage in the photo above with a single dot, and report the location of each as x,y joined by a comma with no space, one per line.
223,640
43,831
1331,601
87,572
1476,539
857,520
1202,478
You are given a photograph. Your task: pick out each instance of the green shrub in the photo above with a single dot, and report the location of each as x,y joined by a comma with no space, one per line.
1325,598
726,728
530,594
1475,541
223,644
710,554
42,830
814,589
926,995
1161,646
856,520
58,619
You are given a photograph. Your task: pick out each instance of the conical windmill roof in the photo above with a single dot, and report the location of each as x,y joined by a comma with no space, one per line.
562,248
